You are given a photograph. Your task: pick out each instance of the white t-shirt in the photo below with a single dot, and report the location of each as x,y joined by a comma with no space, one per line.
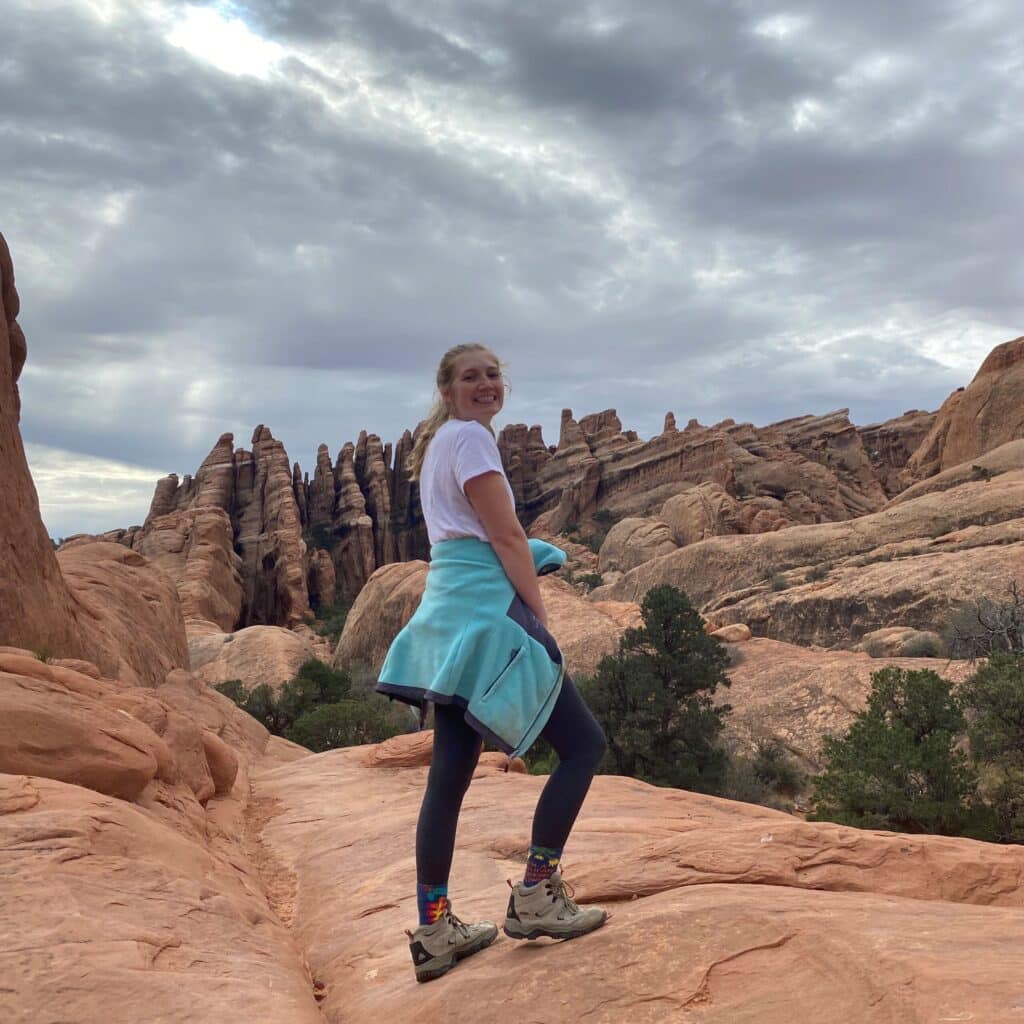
459,451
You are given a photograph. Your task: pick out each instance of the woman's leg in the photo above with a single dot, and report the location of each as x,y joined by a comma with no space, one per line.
580,744
456,752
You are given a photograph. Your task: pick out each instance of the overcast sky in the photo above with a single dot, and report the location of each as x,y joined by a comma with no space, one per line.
282,212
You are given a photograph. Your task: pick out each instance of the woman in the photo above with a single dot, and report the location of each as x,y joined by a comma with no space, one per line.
478,649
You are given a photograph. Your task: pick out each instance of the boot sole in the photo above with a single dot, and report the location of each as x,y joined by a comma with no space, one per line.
442,965
544,933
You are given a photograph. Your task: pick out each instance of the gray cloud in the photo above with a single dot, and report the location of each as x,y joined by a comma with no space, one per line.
710,208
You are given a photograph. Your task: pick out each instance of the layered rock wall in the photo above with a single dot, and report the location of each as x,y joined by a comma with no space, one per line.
304,542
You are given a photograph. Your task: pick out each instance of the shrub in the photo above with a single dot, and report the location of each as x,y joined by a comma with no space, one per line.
980,473
605,518
654,697
778,582
590,580
44,653
345,723
977,629
741,782
541,758
994,701
331,619
315,684
898,766
233,689
773,766
818,572
922,645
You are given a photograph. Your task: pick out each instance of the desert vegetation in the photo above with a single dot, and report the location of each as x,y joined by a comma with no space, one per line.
927,757
320,708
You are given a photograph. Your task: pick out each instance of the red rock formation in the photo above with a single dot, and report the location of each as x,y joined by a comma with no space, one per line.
972,421
742,913
263,552
889,446
37,610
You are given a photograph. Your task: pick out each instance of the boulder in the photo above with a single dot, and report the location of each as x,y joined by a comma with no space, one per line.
255,655
633,541
129,610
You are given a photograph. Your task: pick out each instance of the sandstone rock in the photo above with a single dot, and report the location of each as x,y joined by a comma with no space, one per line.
352,545
382,608
795,696
744,913
409,751
703,511
972,421
737,633
263,555
889,446
322,579
1005,458
728,577
139,924
36,609
86,668
631,542
255,655
585,631
195,548
129,608
50,731
901,641
221,761
920,591
372,475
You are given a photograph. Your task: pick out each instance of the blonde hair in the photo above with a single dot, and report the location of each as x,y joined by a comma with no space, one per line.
440,412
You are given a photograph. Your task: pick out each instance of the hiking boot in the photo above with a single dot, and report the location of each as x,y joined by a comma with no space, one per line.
437,947
547,909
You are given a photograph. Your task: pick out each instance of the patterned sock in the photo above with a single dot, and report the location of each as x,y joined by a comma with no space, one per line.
542,863
431,901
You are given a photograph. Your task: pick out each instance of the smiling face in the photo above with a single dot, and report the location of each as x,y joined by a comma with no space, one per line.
477,390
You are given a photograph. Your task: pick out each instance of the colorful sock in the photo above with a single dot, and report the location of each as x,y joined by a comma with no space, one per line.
431,901
542,863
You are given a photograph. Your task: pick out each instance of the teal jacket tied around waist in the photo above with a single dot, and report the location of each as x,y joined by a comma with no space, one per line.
470,643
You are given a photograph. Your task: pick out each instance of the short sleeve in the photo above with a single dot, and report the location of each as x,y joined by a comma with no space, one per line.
475,452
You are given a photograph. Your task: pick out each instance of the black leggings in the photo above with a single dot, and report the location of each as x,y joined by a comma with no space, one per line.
579,742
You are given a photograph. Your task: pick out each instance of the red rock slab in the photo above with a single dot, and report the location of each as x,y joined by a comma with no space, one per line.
759,949
110,917
818,855
50,731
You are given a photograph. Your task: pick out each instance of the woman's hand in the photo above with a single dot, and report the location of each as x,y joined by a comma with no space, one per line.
489,497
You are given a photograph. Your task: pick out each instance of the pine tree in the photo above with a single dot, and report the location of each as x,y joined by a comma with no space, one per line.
654,697
898,767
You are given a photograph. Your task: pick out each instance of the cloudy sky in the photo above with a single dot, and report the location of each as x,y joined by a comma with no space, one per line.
282,212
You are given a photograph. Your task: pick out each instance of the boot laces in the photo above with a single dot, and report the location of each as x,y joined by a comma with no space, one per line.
562,890
459,926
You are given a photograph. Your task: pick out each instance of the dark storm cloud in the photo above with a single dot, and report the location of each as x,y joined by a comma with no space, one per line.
712,208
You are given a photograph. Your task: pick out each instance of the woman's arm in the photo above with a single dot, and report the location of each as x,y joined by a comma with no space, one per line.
489,497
